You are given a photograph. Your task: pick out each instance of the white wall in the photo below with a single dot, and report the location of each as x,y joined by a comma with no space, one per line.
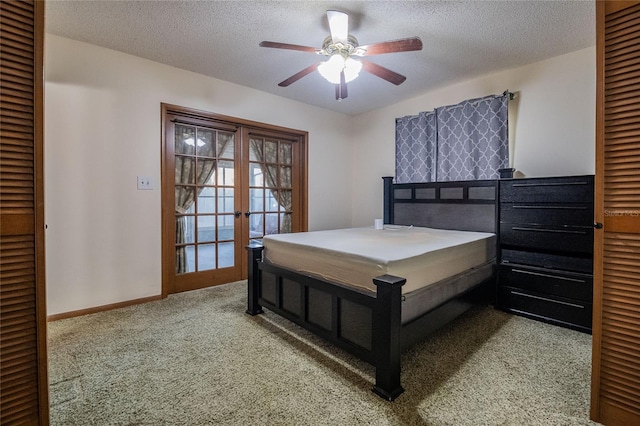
102,129
552,125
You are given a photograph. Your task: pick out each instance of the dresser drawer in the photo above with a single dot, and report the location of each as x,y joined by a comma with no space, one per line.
547,214
553,238
547,308
547,190
549,261
547,281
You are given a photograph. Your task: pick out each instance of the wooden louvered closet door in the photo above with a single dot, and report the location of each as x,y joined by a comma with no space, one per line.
23,355
615,391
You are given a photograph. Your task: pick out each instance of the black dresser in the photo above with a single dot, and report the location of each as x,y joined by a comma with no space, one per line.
546,249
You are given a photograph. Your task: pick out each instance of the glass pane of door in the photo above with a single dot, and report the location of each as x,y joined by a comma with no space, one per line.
204,198
270,186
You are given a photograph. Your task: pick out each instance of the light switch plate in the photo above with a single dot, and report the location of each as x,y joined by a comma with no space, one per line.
145,182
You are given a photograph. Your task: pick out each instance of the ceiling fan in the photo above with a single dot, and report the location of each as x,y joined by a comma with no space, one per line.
344,53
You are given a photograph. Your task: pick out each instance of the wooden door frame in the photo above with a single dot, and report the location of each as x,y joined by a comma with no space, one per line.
301,135
41,305
598,215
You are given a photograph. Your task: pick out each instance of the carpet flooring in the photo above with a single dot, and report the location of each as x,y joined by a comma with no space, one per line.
197,359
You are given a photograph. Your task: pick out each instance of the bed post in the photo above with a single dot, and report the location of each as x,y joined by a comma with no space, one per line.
388,200
386,336
254,254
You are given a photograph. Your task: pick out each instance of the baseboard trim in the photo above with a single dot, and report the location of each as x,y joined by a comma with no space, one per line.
80,312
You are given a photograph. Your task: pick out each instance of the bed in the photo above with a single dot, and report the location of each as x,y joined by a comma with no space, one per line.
377,292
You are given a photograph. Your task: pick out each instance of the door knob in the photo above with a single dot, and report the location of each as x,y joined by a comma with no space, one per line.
237,214
247,214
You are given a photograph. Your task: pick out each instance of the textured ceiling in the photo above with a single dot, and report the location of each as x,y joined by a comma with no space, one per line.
462,39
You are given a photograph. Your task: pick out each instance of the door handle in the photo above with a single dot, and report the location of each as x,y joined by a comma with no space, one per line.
247,214
237,214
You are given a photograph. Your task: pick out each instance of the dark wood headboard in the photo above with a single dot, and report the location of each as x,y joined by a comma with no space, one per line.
463,206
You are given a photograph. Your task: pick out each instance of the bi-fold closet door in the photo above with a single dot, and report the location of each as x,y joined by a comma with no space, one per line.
23,353
615,392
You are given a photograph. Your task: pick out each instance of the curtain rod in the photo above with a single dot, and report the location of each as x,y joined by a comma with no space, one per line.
512,96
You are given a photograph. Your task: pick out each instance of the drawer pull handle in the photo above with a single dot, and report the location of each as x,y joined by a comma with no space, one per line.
549,184
539,274
558,231
573,305
552,207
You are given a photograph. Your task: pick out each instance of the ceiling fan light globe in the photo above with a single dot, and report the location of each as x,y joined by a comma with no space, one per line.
331,68
351,69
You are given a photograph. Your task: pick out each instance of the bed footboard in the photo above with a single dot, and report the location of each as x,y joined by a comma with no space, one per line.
365,325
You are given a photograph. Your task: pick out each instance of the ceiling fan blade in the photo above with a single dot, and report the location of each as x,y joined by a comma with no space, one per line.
402,45
276,45
341,89
297,76
383,73
339,25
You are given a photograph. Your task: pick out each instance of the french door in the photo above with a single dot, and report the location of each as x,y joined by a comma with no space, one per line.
224,181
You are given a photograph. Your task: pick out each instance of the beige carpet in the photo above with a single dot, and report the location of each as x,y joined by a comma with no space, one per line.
197,359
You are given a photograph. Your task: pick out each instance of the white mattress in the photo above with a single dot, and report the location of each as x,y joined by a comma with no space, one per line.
355,256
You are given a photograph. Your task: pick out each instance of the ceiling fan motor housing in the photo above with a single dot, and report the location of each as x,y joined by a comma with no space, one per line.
350,48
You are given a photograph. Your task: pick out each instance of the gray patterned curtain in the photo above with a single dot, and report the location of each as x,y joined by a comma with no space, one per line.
467,141
416,148
473,139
